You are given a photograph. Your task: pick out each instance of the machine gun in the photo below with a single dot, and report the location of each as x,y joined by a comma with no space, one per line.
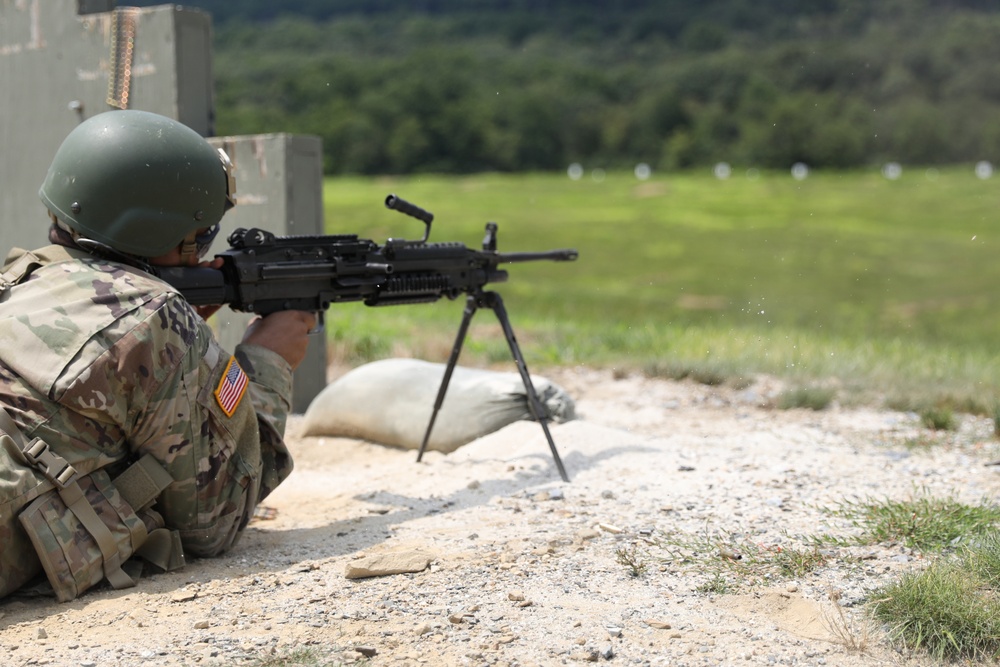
262,273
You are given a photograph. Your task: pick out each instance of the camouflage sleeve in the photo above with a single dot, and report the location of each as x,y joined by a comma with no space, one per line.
216,422
271,392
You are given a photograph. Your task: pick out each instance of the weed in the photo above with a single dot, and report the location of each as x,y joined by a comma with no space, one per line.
813,398
842,629
299,657
738,563
938,418
718,584
632,559
923,442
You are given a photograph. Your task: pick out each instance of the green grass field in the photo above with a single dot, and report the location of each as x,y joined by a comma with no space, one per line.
845,278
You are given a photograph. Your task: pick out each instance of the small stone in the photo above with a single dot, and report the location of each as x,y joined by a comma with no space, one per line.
607,652
614,631
515,596
423,629
658,625
609,528
42,634
366,651
201,625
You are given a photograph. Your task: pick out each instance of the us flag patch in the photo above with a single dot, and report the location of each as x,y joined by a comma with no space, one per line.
231,387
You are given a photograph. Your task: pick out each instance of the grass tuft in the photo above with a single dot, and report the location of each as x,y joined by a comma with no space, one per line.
939,418
812,398
941,610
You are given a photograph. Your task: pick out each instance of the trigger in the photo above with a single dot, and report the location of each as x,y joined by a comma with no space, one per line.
319,323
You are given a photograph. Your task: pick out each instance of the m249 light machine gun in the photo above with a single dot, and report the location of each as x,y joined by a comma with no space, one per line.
263,273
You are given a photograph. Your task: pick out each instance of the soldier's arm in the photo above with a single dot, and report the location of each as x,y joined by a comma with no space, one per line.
216,422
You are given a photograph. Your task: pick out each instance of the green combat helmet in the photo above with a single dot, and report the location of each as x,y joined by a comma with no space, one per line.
138,182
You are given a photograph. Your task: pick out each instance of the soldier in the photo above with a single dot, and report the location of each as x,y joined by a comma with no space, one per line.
125,429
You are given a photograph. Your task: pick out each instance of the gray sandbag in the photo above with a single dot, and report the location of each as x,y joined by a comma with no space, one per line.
390,402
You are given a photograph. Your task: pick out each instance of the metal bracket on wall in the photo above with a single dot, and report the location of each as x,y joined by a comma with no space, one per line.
123,20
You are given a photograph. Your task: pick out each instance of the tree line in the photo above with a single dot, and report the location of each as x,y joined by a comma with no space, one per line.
511,85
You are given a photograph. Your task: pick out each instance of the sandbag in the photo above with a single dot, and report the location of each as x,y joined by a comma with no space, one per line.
390,402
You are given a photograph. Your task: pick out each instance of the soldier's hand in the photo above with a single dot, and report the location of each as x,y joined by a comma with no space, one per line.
285,332
206,312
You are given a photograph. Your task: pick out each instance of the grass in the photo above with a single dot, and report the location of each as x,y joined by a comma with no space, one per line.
949,608
884,285
812,398
733,563
301,657
924,522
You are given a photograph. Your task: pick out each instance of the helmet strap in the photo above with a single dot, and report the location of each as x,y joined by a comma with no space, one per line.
189,248
63,234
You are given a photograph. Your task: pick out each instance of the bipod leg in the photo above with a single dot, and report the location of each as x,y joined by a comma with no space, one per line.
471,304
493,301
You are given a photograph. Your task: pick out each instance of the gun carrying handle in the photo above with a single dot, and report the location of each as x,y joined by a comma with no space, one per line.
412,210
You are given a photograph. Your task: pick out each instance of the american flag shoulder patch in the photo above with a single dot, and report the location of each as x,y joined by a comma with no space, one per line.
231,387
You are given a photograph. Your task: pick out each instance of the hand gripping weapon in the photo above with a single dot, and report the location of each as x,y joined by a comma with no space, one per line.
262,273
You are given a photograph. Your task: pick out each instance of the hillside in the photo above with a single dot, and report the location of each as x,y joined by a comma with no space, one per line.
458,87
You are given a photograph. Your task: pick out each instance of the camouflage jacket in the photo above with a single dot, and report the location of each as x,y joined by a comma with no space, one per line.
106,363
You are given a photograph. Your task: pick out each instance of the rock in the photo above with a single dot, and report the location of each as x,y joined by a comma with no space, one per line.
584,656
42,634
658,625
201,625
183,595
399,562
608,652
515,596
366,651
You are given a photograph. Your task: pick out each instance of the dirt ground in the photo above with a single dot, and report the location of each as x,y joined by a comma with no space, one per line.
504,564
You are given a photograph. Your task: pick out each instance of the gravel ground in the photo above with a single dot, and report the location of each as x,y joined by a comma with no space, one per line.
631,563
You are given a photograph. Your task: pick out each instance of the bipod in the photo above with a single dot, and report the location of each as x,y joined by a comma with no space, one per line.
492,300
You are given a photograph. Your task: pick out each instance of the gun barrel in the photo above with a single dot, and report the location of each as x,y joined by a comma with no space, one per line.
561,255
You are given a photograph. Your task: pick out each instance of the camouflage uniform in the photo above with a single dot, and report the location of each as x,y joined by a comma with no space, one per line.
106,363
